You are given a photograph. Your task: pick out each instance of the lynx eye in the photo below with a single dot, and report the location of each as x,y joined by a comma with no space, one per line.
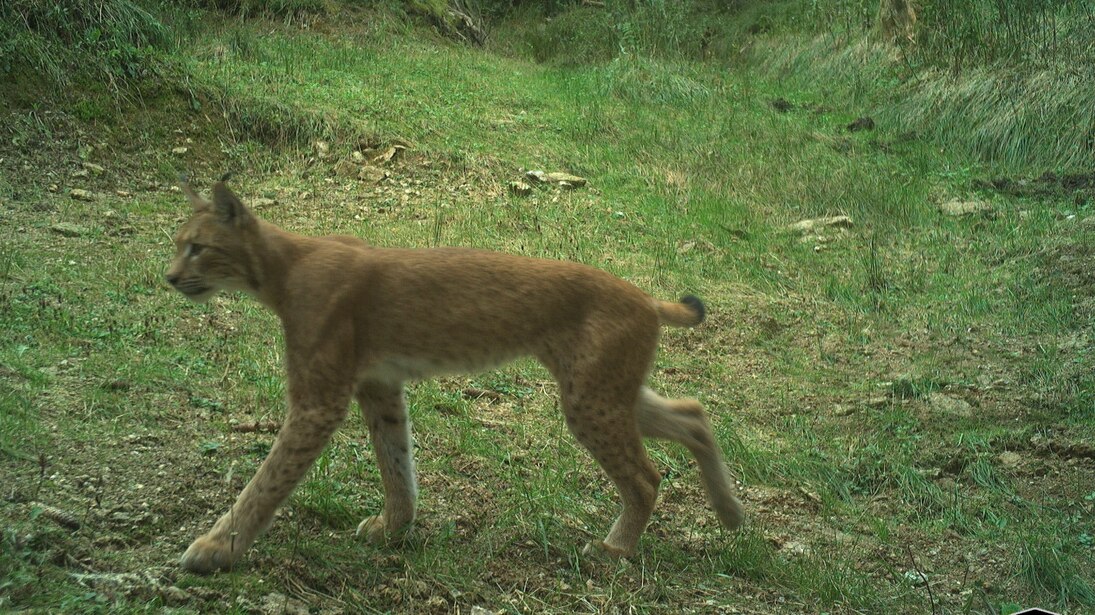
194,249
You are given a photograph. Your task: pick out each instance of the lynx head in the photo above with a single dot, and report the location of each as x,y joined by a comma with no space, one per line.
215,247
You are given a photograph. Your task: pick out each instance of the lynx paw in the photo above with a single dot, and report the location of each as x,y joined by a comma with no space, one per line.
375,530
372,529
599,549
207,554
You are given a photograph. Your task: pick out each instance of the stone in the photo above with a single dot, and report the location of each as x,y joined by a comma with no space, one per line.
346,168
571,181
915,578
956,207
81,195
1010,459
280,604
386,156
371,174
814,224
949,405
519,188
67,229
179,151
175,596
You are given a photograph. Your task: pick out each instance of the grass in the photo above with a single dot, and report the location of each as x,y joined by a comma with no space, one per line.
116,42
835,366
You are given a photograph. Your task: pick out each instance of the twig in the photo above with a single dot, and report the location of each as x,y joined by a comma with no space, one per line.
473,393
57,515
927,582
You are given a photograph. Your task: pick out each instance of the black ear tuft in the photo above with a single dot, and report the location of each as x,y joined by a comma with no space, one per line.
196,201
227,176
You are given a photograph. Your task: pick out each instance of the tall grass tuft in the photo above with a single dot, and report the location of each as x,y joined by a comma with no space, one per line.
1038,119
111,40
285,9
970,33
1053,570
1002,81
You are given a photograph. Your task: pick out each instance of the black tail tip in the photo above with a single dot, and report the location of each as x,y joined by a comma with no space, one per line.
697,306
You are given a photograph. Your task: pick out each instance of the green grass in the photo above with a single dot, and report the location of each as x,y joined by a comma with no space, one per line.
820,363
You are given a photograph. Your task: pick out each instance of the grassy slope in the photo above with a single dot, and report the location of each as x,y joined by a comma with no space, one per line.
819,362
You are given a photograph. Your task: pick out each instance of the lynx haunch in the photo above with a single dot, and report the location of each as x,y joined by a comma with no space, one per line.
360,321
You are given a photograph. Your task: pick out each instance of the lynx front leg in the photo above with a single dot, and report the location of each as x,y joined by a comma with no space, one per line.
302,437
385,413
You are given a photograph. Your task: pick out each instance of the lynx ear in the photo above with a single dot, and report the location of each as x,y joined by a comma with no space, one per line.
229,206
196,201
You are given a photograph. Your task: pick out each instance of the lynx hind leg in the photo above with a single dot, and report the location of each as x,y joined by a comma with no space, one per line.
385,413
684,421
607,430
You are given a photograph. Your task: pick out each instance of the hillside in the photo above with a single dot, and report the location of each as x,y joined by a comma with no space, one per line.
896,245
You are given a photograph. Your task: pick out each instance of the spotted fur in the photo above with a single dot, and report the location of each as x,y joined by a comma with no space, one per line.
361,321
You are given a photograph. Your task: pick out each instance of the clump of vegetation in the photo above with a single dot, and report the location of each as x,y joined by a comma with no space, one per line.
1001,81
287,9
112,40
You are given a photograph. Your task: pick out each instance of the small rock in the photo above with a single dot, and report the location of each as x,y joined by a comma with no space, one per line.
346,168
807,226
1010,459
82,195
388,154
915,578
956,207
371,174
878,401
949,405
80,174
179,151
519,188
842,410
275,603
323,150
794,547
174,595
53,188
572,181
94,168
357,157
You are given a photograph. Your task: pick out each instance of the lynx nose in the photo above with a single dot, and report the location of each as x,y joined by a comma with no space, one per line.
172,278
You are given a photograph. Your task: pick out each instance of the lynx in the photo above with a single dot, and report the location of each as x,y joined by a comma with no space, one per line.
360,321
